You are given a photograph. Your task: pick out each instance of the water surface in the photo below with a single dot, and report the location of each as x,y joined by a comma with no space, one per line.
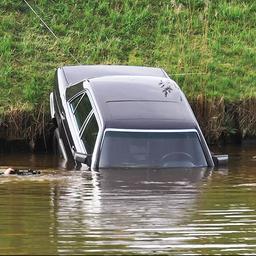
187,211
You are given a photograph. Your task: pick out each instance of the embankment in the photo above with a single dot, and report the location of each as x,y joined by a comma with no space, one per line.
224,121
207,47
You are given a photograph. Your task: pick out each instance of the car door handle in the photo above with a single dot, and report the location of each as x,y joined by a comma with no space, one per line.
62,116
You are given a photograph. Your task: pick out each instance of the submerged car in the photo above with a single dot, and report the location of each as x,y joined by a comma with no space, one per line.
110,116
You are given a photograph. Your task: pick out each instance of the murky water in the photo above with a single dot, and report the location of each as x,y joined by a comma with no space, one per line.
67,212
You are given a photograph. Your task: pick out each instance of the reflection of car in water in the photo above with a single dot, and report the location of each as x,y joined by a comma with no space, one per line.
141,210
124,116
152,179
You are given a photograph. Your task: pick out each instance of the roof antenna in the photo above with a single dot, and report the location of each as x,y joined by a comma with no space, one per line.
51,31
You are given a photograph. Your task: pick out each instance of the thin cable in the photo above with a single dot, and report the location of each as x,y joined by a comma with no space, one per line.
40,19
51,31
184,74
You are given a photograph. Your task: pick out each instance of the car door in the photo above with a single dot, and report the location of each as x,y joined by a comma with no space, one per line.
81,108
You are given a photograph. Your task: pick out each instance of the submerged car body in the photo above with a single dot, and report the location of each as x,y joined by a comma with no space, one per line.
111,116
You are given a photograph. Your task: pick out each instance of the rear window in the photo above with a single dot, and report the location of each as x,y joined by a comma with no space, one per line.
151,149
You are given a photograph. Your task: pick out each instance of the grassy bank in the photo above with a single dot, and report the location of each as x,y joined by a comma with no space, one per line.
208,47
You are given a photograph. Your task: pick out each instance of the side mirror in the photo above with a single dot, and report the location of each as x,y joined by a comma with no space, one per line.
82,158
220,160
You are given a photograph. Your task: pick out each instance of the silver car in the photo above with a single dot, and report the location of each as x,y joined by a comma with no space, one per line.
110,116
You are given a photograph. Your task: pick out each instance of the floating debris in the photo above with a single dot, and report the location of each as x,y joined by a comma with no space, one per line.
12,171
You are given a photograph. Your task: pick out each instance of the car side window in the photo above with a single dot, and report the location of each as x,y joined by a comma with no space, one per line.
81,108
74,102
90,134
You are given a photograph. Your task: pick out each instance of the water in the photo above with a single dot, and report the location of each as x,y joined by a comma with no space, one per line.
187,212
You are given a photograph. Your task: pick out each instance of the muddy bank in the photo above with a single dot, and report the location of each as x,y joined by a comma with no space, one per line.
24,131
226,122
221,122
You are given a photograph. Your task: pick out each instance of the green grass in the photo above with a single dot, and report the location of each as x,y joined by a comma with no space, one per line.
208,47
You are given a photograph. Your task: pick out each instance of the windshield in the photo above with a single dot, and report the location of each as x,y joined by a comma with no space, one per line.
151,149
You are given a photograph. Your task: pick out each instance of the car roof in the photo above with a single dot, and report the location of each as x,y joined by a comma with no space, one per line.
75,74
141,102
